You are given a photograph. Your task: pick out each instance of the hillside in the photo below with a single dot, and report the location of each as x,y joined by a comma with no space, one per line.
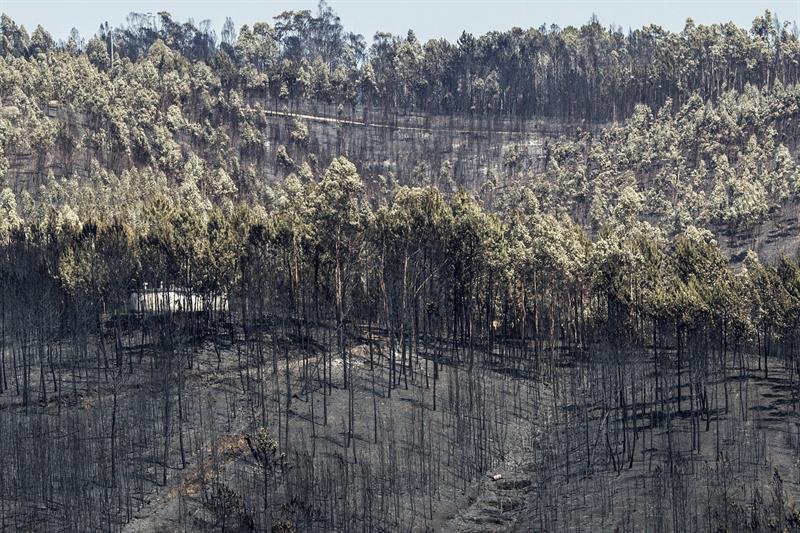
280,281
166,104
740,183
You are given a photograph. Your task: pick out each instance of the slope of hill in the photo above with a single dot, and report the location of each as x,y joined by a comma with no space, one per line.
499,285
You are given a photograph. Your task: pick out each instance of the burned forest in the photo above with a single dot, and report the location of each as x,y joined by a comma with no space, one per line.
282,279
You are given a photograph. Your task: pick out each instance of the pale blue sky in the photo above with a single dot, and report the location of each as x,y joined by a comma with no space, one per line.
429,18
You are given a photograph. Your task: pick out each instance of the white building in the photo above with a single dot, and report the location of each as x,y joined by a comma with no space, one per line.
176,300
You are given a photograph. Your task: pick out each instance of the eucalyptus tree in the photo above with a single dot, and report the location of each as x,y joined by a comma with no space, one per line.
474,243
767,304
789,275
10,222
339,205
410,236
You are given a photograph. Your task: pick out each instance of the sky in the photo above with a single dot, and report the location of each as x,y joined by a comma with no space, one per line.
428,18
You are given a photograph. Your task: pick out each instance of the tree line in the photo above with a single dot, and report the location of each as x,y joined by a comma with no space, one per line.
588,73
